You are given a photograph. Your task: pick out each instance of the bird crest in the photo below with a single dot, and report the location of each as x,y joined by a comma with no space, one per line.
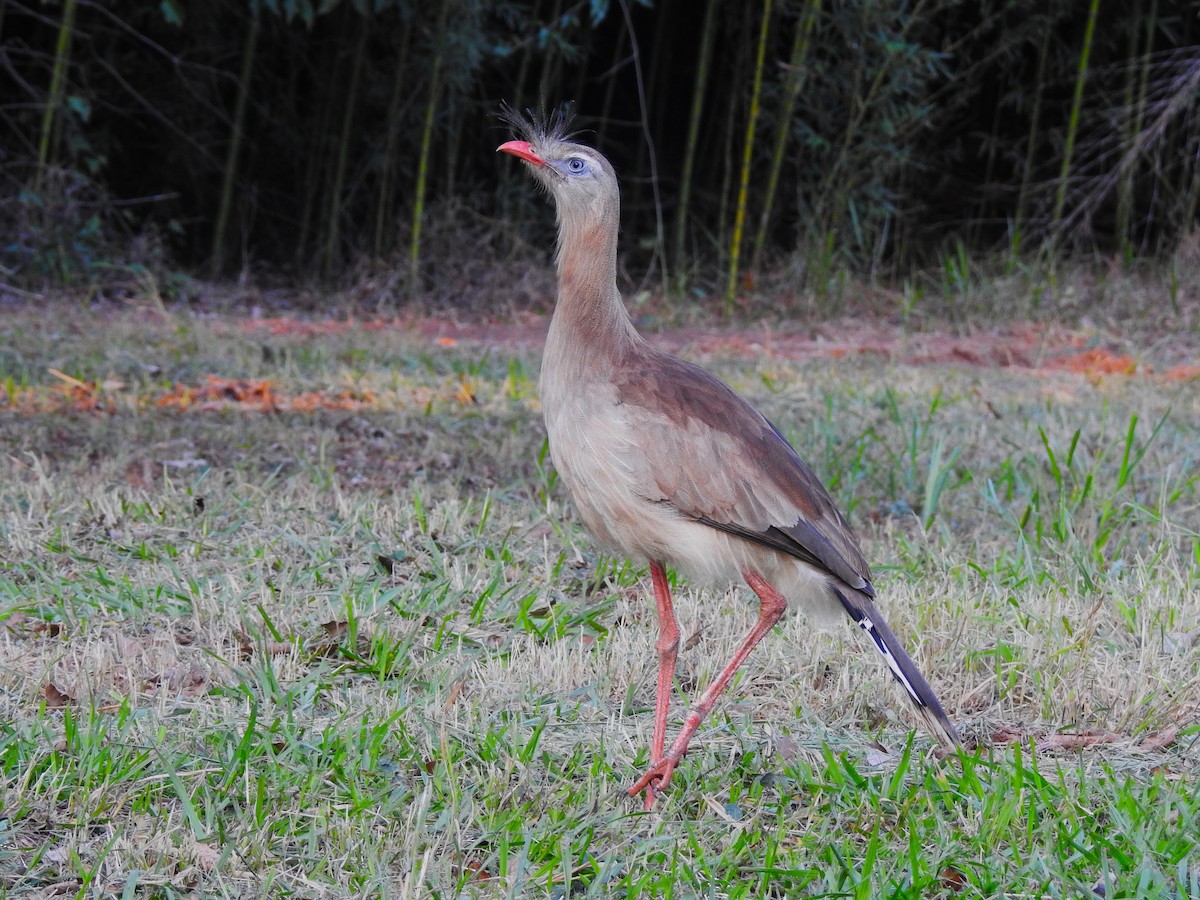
540,128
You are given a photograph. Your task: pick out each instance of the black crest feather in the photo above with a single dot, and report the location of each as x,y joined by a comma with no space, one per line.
539,128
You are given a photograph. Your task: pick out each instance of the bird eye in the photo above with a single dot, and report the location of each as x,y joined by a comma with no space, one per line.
576,164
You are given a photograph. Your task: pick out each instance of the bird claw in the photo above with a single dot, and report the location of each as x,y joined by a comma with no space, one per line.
654,781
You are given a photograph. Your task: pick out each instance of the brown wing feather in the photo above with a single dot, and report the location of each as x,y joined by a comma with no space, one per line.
718,460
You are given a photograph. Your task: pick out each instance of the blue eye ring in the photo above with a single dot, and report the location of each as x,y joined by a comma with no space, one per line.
576,165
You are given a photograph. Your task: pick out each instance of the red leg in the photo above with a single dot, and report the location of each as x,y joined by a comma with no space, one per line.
771,609
668,652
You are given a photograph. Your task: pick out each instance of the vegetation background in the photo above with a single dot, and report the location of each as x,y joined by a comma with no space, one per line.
291,604
351,143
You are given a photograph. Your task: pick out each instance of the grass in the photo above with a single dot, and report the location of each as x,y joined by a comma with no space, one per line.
369,651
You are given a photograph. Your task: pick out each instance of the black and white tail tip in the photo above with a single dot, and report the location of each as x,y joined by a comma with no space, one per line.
905,671
868,626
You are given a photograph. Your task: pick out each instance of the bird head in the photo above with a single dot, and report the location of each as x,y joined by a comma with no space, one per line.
581,181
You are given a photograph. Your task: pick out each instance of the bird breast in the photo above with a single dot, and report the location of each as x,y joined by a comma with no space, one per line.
596,459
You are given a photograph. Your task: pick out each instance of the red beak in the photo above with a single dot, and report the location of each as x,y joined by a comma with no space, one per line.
522,149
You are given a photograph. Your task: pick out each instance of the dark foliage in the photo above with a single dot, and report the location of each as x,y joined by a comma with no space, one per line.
900,131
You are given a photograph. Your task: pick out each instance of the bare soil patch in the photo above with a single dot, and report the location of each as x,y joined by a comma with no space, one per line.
1021,345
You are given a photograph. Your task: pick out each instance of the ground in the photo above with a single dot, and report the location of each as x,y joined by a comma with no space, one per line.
292,605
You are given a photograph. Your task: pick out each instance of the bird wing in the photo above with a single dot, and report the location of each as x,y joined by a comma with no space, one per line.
717,459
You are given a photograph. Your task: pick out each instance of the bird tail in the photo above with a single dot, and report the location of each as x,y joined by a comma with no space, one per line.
903,669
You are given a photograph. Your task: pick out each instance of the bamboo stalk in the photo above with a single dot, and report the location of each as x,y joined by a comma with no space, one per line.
660,241
1035,118
334,215
454,124
383,208
795,82
739,223
606,107
660,71
518,102
1191,191
581,76
703,64
1064,173
235,145
314,167
902,240
58,78
727,147
418,214
551,63
1125,185
1191,134
1180,213
523,70
1135,97
989,171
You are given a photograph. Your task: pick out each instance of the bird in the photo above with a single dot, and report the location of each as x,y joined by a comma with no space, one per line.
667,466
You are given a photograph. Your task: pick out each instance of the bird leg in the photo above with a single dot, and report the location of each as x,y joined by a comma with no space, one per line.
668,652
772,606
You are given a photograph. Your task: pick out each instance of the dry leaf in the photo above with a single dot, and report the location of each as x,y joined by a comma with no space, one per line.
952,879
878,756
474,865
1077,740
207,857
335,629
1160,740
1006,736
1181,641
786,748
61,887
455,690
245,644
58,855
257,395
129,647
190,679
55,698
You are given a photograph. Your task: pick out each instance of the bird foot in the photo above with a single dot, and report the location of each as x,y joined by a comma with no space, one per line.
655,780
649,798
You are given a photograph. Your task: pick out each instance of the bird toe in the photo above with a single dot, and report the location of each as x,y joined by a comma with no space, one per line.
655,780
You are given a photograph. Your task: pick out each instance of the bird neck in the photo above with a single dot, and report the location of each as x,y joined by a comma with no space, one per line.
590,326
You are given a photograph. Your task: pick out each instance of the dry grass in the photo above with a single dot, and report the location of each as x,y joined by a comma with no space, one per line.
369,652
